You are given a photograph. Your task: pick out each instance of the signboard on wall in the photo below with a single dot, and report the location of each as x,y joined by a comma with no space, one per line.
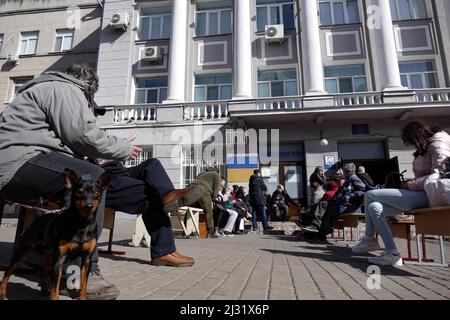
360,129
329,160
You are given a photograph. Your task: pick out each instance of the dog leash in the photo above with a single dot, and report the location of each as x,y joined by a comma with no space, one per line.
38,209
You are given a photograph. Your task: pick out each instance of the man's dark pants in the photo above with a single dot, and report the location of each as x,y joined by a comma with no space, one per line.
43,176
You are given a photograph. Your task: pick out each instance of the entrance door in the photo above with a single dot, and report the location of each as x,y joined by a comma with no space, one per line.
377,169
291,177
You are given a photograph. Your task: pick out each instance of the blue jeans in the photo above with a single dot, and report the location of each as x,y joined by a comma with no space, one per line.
259,211
383,203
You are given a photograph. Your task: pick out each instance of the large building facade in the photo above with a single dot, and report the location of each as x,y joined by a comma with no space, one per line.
37,37
321,81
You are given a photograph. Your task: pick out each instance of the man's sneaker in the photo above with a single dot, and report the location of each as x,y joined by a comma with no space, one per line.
366,246
97,289
228,233
311,228
268,228
387,259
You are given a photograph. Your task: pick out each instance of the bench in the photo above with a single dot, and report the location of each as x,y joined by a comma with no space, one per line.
431,221
401,228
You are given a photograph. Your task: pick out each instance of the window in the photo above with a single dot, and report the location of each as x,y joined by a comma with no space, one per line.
274,12
147,153
212,87
408,9
338,12
151,90
213,19
1,42
343,79
418,74
17,84
277,83
155,23
28,43
64,40
196,160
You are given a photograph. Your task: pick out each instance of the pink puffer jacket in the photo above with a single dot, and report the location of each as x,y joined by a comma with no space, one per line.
435,158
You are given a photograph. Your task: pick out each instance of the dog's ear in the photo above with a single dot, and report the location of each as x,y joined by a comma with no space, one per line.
104,180
71,178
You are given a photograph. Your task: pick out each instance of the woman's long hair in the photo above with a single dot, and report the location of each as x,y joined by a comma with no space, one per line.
417,134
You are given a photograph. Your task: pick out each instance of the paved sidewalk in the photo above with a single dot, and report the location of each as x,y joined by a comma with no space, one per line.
253,266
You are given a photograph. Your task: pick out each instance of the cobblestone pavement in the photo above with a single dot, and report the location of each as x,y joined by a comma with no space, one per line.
253,266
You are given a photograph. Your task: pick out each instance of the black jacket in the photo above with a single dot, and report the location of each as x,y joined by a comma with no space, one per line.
257,187
315,177
366,179
281,196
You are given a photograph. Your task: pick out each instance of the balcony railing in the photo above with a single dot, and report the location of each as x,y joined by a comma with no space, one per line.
219,110
358,99
136,113
433,95
211,110
280,103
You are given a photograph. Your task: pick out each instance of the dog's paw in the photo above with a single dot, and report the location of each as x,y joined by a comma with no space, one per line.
3,297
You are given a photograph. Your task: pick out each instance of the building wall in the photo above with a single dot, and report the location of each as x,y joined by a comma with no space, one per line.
23,16
358,43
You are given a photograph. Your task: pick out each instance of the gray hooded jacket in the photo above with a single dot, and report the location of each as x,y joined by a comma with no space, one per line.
51,113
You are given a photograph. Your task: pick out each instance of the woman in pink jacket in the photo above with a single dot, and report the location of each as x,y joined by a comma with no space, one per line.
432,152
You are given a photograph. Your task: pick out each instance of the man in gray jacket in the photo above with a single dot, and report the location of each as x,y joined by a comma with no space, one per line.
51,126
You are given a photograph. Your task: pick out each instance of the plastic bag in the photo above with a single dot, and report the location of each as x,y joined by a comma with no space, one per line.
444,189
437,190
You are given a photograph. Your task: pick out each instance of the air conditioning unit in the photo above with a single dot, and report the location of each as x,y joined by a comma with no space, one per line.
152,53
120,21
13,59
274,33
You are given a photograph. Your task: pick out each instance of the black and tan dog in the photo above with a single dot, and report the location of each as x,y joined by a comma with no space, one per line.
69,234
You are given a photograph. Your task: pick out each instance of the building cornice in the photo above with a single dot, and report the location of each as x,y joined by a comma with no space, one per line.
51,9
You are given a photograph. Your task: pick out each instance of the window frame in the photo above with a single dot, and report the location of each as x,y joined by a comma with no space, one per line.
150,26
338,79
422,74
147,153
218,85
29,36
412,10
1,42
146,89
333,16
64,36
268,7
219,20
270,82
15,87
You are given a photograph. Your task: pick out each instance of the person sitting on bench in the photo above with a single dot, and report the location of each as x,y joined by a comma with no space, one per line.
432,151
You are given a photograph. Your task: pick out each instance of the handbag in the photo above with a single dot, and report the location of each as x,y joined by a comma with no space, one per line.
395,180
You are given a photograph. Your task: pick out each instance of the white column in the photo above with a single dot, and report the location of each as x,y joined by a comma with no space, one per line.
242,36
177,52
312,55
389,58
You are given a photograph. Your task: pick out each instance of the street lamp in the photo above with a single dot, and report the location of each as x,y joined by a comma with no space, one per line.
323,141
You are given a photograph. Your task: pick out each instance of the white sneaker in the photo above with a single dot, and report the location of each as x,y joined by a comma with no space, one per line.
387,259
366,246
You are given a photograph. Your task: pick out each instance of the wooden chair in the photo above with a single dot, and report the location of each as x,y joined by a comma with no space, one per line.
432,221
188,220
109,223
